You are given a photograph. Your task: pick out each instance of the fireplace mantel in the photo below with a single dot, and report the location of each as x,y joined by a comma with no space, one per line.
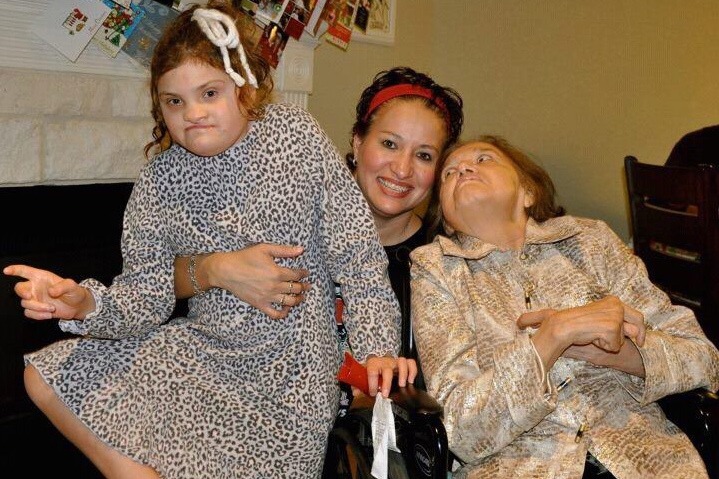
20,48
63,122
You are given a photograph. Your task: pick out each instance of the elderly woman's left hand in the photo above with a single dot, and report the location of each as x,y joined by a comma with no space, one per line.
633,326
625,357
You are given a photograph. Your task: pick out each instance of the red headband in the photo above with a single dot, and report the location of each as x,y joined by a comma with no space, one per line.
404,89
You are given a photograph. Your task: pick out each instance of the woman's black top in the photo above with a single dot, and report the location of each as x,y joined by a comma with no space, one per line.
399,266
398,269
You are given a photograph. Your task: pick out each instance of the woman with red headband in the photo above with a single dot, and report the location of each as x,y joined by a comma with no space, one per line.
404,121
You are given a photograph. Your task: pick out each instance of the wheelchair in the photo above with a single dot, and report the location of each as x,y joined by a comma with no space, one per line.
420,434
419,431
422,439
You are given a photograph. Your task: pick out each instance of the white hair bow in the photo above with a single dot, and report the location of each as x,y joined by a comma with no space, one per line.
221,30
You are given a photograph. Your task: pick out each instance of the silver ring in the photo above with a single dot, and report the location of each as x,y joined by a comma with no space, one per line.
282,300
292,283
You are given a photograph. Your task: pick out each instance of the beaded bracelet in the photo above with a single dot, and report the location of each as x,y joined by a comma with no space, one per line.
193,279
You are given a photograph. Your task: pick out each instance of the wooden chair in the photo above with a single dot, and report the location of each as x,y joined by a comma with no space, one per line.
675,230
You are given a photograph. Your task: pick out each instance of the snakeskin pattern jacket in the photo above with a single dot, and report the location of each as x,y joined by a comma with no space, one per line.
506,418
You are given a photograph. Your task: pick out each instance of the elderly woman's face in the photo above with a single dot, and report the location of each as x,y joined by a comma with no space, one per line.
478,179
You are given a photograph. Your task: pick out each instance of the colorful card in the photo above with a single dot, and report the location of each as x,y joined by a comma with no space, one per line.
141,45
294,19
69,25
340,31
362,15
271,10
117,27
315,9
249,6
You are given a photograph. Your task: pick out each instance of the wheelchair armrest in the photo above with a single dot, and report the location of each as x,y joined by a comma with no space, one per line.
415,400
685,408
409,398
696,413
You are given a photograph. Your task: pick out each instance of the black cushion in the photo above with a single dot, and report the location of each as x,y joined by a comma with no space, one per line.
74,231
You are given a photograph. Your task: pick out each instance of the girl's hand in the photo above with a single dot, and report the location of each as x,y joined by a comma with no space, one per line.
46,295
385,367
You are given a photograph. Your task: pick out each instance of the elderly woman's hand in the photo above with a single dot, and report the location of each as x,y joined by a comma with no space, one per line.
604,323
627,359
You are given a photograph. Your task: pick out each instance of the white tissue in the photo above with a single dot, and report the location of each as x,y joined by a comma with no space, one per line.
383,435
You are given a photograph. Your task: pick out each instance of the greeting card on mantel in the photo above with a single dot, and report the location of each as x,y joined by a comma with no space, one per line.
69,25
140,46
117,27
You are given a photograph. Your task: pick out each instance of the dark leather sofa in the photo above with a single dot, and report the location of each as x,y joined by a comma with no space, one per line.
73,230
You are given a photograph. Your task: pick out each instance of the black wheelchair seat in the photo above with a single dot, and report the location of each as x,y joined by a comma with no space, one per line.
420,434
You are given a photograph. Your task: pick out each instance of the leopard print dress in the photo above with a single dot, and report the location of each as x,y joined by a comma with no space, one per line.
228,392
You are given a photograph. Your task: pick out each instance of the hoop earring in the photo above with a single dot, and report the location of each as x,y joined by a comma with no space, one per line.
353,162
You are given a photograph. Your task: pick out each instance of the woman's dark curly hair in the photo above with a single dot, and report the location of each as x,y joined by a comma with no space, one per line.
454,118
532,177
183,40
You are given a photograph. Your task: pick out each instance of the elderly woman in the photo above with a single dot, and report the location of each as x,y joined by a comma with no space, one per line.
542,335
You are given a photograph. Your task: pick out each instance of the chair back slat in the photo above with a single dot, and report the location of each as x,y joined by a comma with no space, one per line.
675,230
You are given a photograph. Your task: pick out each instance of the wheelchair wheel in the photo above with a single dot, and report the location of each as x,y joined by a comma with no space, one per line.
396,468
345,458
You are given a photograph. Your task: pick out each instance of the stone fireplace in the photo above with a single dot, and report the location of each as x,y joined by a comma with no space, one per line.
88,121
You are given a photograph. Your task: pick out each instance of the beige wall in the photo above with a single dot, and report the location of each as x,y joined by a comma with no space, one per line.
578,84
340,76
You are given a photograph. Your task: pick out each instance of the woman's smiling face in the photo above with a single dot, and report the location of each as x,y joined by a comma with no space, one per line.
397,157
